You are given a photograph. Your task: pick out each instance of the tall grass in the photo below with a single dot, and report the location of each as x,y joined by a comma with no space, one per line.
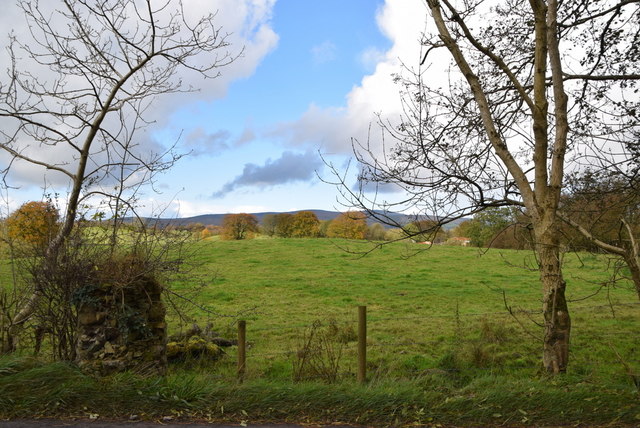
34,390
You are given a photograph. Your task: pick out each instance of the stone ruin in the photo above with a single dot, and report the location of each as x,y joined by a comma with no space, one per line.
122,328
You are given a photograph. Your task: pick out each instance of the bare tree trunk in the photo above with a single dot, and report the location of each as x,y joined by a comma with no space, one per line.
634,266
8,345
15,327
557,322
632,256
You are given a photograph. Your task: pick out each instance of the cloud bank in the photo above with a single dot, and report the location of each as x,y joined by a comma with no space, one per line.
289,168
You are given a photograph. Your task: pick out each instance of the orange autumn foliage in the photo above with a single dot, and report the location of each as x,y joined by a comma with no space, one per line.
349,225
34,223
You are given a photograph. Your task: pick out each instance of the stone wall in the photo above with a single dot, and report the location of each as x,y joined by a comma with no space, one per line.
122,328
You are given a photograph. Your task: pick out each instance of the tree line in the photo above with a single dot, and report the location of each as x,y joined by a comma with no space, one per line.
348,225
303,224
606,208
591,199
595,201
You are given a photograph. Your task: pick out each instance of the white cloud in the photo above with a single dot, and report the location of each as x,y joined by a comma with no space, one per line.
199,142
320,127
370,57
248,135
247,26
331,129
183,208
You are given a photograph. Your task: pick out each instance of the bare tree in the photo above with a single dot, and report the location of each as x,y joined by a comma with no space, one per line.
604,211
105,61
534,90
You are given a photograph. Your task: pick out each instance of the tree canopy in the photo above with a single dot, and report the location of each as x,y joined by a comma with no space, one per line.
34,223
239,226
305,224
348,225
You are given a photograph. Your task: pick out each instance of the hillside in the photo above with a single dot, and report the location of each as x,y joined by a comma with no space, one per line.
323,215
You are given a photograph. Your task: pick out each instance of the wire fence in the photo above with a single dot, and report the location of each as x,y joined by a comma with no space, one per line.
361,347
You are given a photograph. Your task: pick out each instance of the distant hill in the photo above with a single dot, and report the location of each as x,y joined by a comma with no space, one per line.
216,219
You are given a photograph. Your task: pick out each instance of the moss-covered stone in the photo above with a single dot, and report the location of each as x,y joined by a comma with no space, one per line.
112,339
193,347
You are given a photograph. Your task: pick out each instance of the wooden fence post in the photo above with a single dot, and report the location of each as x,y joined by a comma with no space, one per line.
242,349
362,344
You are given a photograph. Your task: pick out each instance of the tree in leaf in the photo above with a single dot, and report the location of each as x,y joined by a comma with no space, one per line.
239,226
34,223
305,224
284,225
463,229
425,231
268,224
376,232
348,225
487,224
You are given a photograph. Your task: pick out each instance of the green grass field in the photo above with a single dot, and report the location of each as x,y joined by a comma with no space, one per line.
442,347
439,308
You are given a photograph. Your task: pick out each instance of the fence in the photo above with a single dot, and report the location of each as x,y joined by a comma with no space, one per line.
592,341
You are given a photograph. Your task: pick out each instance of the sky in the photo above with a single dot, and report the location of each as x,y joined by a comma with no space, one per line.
312,76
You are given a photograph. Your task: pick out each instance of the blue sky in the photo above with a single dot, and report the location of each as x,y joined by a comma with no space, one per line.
312,76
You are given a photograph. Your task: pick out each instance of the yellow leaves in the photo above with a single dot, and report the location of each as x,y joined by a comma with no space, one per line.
34,223
239,226
349,225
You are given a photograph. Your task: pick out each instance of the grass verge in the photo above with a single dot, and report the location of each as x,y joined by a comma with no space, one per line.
31,388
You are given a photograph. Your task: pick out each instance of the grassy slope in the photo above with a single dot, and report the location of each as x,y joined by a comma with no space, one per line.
441,346
419,305
298,279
